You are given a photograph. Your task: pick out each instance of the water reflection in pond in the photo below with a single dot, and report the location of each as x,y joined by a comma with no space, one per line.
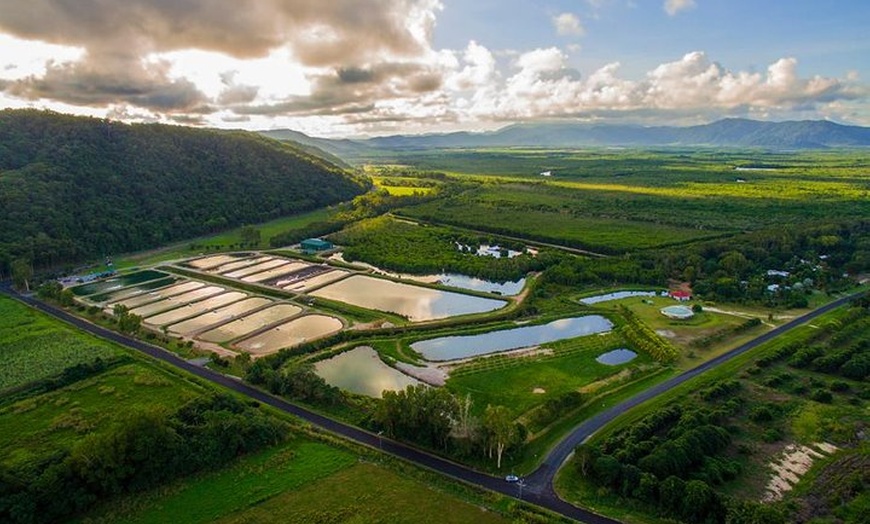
479,284
616,295
362,371
114,283
414,302
616,357
455,347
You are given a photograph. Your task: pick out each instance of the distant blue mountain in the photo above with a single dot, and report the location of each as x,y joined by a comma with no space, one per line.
731,132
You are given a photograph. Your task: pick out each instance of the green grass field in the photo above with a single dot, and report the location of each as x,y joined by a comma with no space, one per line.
38,426
513,381
34,348
250,481
619,201
365,493
221,240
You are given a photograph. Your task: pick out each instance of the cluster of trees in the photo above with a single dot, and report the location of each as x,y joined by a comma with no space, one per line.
364,206
75,187
723,333
144,450
643,337
297,382
436,418
672,459
839,348
404,247
127,322
735,269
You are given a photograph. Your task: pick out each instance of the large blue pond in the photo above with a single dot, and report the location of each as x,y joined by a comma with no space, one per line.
456,347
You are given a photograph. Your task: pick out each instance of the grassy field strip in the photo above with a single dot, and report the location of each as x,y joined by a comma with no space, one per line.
34,347
366,493
252,480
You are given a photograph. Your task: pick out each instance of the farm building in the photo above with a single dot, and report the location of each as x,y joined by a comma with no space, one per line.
682,296
315,244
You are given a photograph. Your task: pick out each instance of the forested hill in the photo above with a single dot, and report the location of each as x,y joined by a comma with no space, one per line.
74,187
732,132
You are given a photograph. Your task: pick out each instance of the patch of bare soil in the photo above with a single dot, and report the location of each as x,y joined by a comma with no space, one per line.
592,387
791,466
841,481
430,374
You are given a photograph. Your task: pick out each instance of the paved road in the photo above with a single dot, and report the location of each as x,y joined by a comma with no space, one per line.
542,478
538,488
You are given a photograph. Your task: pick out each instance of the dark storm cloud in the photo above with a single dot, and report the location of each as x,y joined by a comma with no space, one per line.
118,34
318,30
113,79
347,91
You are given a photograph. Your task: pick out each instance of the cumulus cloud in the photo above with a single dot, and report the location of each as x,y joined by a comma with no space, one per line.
543,86
672,7
568,24
118,38
359,66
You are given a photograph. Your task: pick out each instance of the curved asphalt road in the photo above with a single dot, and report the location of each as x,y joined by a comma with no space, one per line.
538,487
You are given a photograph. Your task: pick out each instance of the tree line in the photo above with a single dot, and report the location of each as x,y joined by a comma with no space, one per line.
73,188
146,449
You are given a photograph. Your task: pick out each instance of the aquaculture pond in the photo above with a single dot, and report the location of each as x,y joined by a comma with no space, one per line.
616,295
256,268
479,284
616,357
362,371
275,272
177,300
464,346
289,334
232,266
111,284
195,308
413,302
304,284
157,294
250,323
128,292
219,315
214,261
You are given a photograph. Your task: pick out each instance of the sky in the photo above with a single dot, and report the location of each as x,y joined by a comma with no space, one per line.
340,68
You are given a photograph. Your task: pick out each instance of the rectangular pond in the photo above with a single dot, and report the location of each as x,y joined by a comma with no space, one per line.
256,268
232,266
289,334
275,272
212,261
177,300
413,302
159,294
195,308
115,283
464,346
362,371
216,316
616,295
129,292
250,323
303,285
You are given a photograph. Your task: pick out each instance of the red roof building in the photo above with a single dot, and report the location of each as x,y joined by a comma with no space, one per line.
680,295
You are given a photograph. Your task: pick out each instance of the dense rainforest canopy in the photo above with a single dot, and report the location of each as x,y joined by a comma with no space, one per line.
72,188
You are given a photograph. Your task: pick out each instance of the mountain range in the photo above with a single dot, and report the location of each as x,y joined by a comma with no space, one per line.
732,132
